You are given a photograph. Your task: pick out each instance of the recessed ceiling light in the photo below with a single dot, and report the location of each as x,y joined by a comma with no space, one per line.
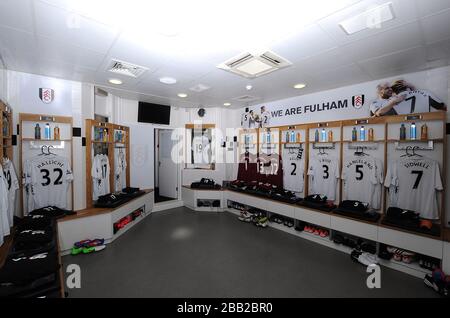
115,81
182,95
168,80
249,87
299,86
370,19
226,104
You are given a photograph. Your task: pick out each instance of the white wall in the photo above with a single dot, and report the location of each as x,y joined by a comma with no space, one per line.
3,83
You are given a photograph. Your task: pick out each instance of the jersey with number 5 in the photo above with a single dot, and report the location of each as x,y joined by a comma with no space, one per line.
50,177
245,120
417,181
324,173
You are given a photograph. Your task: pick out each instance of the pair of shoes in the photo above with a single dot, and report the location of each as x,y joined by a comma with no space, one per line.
400,255
428,263
323,233
262,221
364,258
439,282
87,250
289,222
245,217
89,243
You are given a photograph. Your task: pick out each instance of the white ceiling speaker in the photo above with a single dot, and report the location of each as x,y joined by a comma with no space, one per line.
254,65
126,69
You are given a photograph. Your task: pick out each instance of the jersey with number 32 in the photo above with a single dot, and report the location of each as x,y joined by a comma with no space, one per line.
49,177
417,181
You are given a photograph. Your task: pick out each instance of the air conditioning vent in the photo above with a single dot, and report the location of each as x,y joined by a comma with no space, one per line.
254,65
245,98
100,92
127,69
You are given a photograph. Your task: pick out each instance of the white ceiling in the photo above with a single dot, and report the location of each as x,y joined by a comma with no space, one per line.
45,37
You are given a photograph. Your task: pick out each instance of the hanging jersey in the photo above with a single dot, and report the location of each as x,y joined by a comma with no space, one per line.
252,121
200,146
120,167
247,168
324,173
418,101
265,119
13,185
293,169
245,120
4,223
100,176
270,169
360,178
49,177
378,188
417,181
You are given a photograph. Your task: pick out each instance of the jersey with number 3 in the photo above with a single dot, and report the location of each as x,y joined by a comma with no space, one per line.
49,177
294,170
417,181
324,174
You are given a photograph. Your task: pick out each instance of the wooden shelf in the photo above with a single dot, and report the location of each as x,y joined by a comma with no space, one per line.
364,141
45,140
417,140
292,143
7,137
325,142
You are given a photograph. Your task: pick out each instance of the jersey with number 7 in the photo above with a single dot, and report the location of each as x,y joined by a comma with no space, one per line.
417,181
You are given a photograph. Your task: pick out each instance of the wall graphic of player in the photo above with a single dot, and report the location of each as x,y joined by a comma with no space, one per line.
264,118
402,98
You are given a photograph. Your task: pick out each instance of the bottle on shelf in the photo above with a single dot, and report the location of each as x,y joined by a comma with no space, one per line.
424,132
362,134
99,134
371,134
402,132
37,132
324,135
292,136
268,137
287,136
316,136
413,132
105,134
47,132
330,136
299,139
5,126
354,134
56,133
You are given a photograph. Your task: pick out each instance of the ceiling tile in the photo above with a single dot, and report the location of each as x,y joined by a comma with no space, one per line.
340,77
59,69
427,7
309,42
436,27
438,50
398,39
405,11
16,14
72,28
66,53
17,47
323,62
400,62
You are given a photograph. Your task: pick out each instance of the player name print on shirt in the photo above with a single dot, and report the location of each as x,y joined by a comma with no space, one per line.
417,181
324,173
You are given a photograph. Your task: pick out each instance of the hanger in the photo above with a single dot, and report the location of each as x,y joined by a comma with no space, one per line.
48,150
414,154
42,150
406,152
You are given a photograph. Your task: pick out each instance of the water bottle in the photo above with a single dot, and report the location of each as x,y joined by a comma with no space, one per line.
330,136
316,136
299,139
56,133
402,132
354,134
37,132
268,137
424,132
47,131
324,135
413,131
287,136
362,134
292,136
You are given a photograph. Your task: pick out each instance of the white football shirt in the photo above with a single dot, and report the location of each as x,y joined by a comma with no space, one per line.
49,176
120,168
380,103
100,175
360,178
4,223
378,188
417,101
293,170
265,119
245,120
417,181
200,146
324,174
13,185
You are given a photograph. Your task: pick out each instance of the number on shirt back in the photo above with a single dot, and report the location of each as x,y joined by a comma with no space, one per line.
294,173
104,169
359,171
418,178
413,103
326,173
46,176
8,178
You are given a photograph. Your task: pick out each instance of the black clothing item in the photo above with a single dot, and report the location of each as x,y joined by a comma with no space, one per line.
35,222
52,212
316,198
354,206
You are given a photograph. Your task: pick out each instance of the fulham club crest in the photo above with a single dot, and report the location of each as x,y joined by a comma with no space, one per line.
358,101
46,95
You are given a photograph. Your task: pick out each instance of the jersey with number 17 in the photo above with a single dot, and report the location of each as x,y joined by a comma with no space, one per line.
49,177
